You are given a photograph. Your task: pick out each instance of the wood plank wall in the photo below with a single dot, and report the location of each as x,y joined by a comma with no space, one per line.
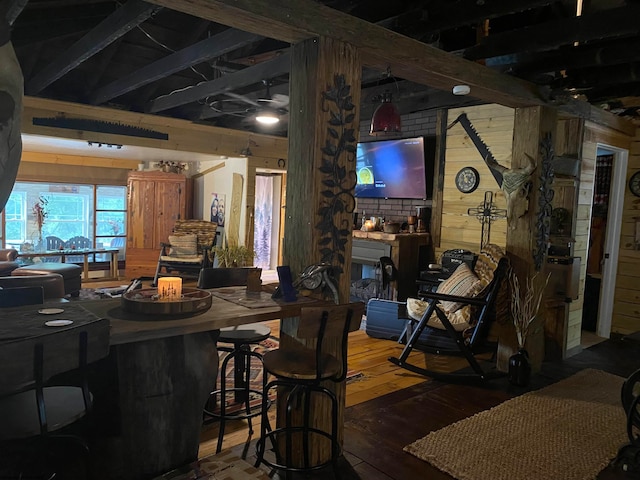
622,321
626,309
494,124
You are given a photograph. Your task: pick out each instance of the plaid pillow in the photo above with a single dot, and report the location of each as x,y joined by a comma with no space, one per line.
462,283
183,245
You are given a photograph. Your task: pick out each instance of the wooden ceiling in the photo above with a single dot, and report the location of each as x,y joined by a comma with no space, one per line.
181,59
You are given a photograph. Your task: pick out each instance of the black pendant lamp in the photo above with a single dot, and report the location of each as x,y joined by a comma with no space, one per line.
386,118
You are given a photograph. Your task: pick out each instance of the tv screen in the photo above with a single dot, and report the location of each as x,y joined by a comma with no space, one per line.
391,169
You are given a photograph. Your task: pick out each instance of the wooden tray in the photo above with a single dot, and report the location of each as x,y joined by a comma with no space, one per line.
145,301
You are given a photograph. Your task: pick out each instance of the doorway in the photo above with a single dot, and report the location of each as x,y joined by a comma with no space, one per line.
268,220
604,242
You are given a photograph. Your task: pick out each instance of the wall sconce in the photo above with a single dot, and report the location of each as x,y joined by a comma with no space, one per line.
386,119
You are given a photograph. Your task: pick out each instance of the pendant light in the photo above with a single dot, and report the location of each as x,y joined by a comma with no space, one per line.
386,118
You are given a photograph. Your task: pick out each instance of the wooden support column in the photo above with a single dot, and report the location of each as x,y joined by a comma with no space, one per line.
324,119
531,125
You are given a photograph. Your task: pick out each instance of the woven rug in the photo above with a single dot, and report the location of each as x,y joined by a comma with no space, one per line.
569,430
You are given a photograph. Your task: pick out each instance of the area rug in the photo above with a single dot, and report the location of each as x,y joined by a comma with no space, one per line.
569,430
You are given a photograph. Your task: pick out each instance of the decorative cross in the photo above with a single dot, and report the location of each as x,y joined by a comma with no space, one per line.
486,214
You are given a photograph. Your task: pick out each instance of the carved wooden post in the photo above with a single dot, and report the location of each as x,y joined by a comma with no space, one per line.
531,127
11,93
323,132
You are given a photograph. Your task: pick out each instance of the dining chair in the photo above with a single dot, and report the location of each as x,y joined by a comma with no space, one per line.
38,416
241,338
299,373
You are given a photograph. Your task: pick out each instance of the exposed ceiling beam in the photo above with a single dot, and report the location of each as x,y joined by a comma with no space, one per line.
601,77
273,68
439,16
14,9
296,20
202,51
602,54
120,22
621,22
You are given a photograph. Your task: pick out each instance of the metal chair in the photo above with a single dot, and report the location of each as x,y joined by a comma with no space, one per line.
241,338
36,414
299,372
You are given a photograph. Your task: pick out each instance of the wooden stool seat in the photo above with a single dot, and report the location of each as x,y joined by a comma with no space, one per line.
300,364
252,333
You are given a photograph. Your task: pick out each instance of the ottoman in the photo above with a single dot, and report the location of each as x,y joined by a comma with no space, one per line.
71,274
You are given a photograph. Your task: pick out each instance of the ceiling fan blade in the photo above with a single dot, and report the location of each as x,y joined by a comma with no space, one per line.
242,98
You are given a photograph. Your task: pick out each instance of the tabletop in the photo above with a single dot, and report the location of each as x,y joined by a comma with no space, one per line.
233,308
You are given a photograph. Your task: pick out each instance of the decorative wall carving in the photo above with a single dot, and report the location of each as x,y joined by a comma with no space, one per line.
338,174
545,208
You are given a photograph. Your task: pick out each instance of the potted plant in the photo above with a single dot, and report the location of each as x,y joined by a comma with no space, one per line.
234,256
525,304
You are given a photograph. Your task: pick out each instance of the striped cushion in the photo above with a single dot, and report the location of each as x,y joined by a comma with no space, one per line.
462,283
183,245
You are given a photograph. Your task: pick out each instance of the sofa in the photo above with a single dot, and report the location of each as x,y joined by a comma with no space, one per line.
52,284
40,274
8,262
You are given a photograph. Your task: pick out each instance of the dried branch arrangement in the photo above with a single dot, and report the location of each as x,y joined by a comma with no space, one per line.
525,304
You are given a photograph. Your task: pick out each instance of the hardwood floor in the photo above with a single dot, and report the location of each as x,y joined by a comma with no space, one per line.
391,408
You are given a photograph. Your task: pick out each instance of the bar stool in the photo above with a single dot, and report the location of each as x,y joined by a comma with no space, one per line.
300,371
242,337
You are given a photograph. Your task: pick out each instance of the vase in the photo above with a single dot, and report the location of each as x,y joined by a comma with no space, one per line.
520,368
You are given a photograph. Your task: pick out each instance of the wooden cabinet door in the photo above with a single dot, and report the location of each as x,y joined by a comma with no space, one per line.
170,206
141,213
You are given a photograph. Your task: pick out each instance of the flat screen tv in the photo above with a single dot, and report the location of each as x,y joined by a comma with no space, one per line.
391,169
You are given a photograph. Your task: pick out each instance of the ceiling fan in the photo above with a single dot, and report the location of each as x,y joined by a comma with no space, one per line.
269,108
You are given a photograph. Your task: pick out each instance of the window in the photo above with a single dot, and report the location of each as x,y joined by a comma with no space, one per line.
15,218
95,212
111,217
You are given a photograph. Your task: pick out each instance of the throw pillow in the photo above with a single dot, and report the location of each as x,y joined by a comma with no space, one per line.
462,283
183,245
459,319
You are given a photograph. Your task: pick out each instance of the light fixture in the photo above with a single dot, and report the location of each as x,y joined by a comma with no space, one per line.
386,118
267,117
461,89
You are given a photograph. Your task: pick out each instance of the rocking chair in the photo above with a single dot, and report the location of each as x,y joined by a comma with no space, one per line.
452,323
188,250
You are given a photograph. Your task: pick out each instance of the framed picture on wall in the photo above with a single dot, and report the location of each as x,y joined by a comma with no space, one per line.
218,208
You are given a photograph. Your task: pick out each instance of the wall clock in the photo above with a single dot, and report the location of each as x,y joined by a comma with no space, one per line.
467,179
634,184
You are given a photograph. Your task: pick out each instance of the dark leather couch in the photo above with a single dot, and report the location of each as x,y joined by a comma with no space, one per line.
8,261
53,284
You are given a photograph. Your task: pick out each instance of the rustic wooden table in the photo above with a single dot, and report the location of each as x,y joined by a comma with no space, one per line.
166,369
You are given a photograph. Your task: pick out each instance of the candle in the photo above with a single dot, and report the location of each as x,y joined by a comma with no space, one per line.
169,288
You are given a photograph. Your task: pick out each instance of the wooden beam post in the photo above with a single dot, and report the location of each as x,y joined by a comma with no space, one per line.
325,90
531,126
321,170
